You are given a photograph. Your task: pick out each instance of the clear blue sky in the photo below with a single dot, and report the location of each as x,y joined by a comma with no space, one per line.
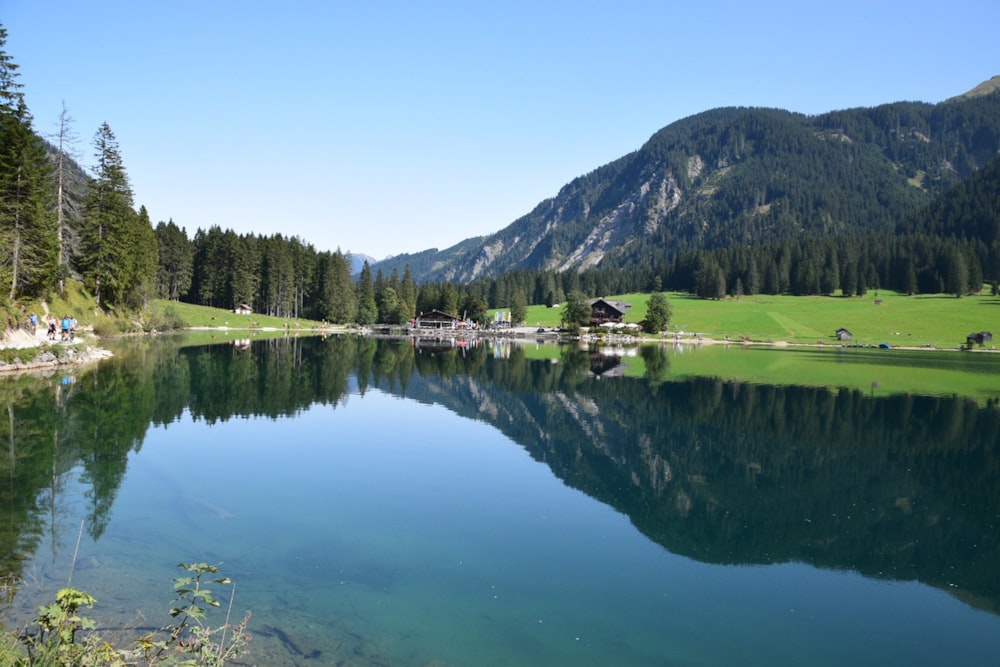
384,127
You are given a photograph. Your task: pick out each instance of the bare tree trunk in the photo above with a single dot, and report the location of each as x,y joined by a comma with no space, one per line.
66,139
15,251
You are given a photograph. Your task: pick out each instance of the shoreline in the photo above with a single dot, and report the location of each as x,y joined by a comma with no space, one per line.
83,350
672,338
48,355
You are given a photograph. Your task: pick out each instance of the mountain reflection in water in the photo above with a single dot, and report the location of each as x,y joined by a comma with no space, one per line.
898,488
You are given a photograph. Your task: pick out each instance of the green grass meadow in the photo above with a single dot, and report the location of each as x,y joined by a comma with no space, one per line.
936,321
195,316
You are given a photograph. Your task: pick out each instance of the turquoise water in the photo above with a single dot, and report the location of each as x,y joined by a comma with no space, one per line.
461,517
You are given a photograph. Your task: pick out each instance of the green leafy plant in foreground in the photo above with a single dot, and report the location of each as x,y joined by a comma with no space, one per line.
61,637
190,635
54,640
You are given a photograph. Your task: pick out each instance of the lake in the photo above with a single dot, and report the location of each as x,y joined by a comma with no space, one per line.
401,502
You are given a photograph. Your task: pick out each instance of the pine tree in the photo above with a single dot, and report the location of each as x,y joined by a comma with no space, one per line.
710,278
336,295
367,308
278,277
27,225
956,272
143,260
449,299
208,261
304,263
28,253
575,312
108,225
407,295
342,299
176,267
243,257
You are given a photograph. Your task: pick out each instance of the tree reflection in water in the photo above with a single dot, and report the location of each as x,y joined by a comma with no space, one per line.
902,487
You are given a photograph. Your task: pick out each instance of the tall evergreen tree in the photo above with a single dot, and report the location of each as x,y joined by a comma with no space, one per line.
956,272
278,277
243,254
108,221
335,294
575,312
208,263
28,253
342,299
27,226
303,263
449,299
429,298
143,260
367,308
710,278
176,267
407,295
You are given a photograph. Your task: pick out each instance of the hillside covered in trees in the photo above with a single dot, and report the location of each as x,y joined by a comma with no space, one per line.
740,176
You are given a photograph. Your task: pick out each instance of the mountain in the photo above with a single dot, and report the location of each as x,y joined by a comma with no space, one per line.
969,211
985,88
358,260
740,176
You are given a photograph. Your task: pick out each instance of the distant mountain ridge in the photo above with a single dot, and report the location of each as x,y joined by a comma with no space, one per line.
985,88
358,260
740,176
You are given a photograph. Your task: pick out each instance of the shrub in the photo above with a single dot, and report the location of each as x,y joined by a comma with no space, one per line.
112,326
61,637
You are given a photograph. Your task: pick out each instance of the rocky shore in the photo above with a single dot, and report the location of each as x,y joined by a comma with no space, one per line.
37,353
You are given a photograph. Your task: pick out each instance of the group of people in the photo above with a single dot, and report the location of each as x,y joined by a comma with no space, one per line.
67,325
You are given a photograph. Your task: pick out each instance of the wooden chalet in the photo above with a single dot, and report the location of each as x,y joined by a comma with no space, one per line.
843,334
602,311
243,309
436,319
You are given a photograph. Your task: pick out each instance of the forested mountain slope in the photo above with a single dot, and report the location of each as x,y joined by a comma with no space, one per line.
971,211
735,176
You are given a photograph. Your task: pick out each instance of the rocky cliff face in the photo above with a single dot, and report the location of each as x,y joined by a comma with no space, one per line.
738,176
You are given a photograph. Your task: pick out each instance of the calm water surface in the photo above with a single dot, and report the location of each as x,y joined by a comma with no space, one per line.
380,502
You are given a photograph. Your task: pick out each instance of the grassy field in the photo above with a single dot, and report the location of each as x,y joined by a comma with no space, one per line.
909,321
936,321
195,316
902,321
